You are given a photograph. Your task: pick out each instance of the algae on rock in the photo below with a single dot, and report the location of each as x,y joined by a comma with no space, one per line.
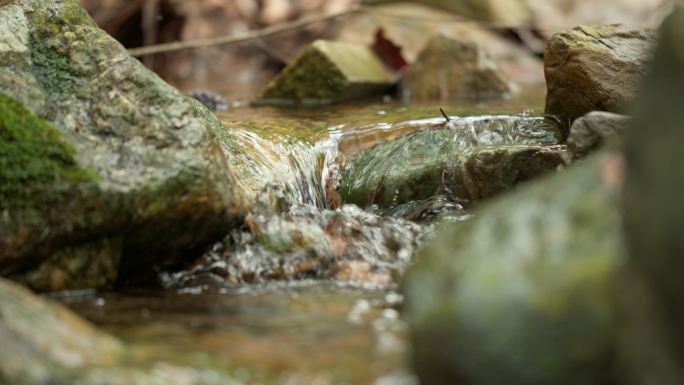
654,218
155,169
524,293
470,158
329,72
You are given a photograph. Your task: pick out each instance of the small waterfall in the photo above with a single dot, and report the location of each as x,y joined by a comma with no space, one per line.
292,166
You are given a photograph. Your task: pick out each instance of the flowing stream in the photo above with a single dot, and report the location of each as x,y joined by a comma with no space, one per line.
306,291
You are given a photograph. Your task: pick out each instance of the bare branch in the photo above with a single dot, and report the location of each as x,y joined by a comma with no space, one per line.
249,35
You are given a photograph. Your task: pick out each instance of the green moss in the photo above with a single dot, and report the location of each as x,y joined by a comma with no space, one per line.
312,76
33,159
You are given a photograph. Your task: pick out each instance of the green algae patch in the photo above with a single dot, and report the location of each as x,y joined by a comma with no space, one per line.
329,72
36,166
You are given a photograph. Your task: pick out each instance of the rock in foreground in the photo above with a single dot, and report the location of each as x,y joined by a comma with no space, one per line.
654,218
329,72
116,167
449,69
595,68
523,293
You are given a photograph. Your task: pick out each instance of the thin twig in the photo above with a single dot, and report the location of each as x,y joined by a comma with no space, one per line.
249,35
444,115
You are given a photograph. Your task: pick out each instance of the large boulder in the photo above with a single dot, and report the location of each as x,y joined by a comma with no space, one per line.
468,158
523,293
594,68
654,218
329,72
450,69
105,167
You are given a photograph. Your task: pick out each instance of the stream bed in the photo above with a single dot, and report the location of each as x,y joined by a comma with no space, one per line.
307,291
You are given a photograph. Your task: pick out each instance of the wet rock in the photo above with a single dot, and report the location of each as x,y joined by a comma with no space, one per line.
523,293
114,153
594,68
654,299
449,69
467,159
593,130
347,244
42,341
329,72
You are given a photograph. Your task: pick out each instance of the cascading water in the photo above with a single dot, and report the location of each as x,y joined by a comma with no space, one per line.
299,228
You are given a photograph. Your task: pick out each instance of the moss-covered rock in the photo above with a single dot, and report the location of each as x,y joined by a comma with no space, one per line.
654,218
523,293
594,68
329,72
469,159
124,157
449,69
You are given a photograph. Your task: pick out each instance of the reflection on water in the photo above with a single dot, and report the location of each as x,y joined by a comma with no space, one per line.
297,333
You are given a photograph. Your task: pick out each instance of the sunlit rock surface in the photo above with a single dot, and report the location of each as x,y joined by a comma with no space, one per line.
595,68
329,72
525,292
466,158
150,170
453,69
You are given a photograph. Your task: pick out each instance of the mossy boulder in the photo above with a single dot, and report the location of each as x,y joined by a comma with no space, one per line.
329,72
467,159
654,218
449,69
106,168
595,68
524,293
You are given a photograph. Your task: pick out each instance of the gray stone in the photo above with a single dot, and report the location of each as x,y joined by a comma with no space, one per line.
469,159
593,130
329,72
524,292
594,68
139,161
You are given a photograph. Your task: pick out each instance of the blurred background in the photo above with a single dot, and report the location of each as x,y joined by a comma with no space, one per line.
513,31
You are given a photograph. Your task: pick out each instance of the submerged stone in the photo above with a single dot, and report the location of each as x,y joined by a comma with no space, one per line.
329,72
467,159
595,68
123,169
654,218
524,292
449,69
